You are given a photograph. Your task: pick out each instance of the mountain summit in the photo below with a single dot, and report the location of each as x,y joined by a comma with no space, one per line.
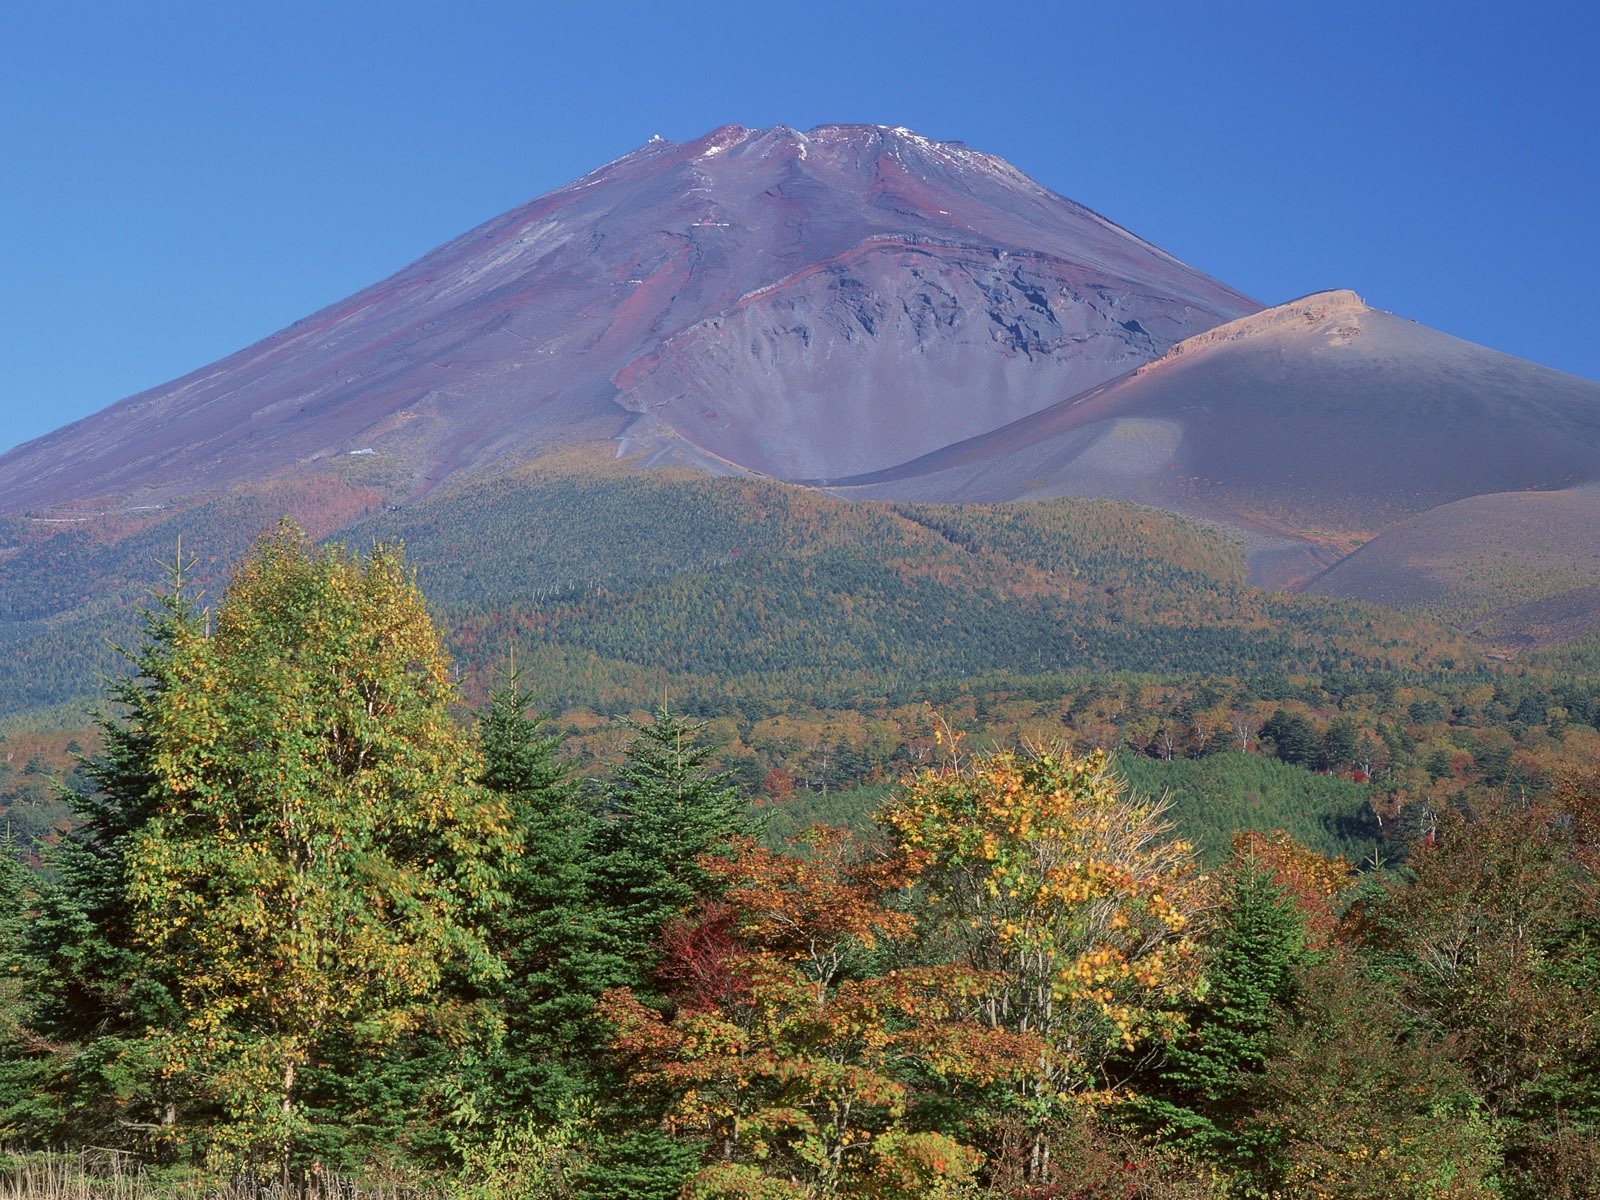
805,305
866,310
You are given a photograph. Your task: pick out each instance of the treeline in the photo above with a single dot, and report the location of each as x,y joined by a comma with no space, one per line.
769,590
309,920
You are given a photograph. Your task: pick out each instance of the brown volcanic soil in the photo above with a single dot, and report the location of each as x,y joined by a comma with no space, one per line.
1308,427
820,303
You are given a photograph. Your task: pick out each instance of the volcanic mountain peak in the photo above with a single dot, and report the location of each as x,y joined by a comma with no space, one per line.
802,304
848,143
891,315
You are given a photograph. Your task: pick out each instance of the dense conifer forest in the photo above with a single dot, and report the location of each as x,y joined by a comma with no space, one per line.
1313,912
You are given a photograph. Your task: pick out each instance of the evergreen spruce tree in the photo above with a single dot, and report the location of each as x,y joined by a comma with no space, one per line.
644,1164
551,937
95,994
1196,1098
29,1111
664,809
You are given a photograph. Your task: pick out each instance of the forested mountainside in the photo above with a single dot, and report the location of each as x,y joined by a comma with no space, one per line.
812,633
616,582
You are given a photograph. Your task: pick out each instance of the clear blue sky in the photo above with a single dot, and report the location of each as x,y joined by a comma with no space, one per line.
178,180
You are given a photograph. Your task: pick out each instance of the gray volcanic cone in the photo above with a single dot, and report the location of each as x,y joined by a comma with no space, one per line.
1307,427
807,305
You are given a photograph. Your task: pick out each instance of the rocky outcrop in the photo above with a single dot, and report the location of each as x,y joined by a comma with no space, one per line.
895,348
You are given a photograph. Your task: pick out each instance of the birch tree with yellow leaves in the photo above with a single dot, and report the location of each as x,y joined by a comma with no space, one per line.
1041,870
319,852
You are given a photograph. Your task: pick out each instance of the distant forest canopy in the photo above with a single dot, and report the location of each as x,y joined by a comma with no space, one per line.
310,919
1355,764
617,582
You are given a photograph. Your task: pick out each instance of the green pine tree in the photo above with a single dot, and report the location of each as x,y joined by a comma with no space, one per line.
95,994
552,938
664,809
30,1112
641,1165
1196,1098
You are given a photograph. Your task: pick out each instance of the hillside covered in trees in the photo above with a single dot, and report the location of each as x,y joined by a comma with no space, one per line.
311,912
613,582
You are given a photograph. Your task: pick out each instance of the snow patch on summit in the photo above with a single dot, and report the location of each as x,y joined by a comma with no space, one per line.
722,138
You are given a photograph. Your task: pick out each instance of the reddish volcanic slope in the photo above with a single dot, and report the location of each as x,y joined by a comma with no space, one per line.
805,305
